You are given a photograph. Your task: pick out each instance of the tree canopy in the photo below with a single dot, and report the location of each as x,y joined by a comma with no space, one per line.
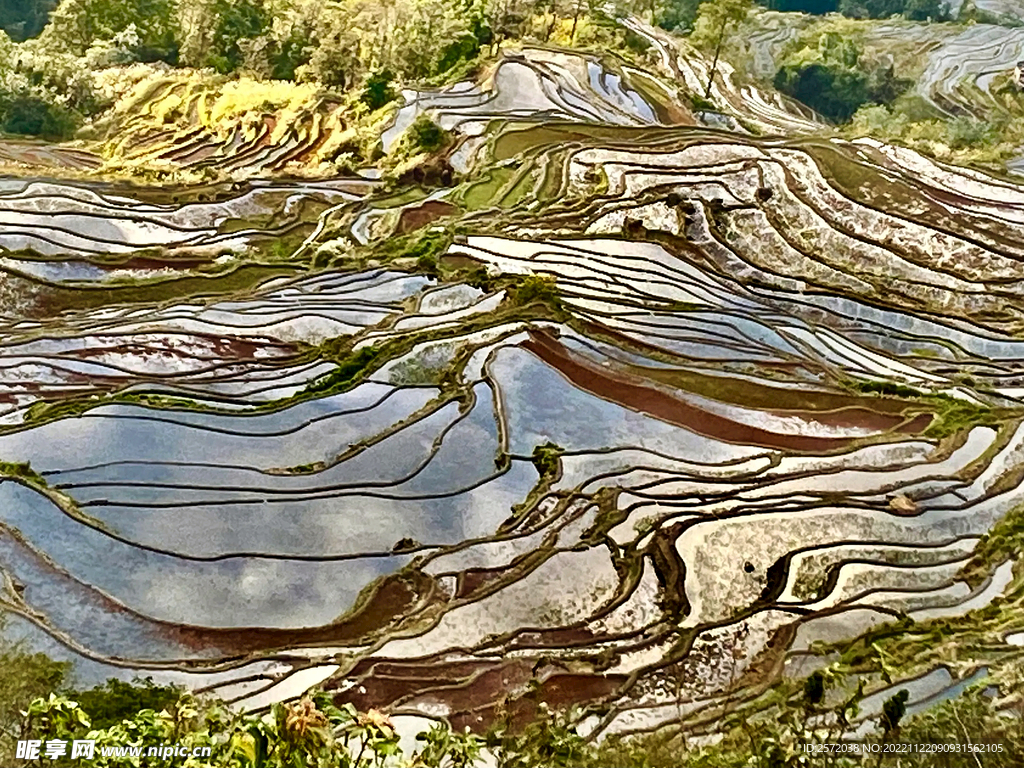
831,77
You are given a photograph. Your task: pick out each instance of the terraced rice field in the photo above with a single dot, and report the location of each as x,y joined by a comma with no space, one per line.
687,404
958,70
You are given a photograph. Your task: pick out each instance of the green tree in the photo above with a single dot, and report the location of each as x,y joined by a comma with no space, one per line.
288,55
424,135
379,89
925,10
550,740
918,10
830,76
76,25
833,91
713,21
893,710
235,22
116,700
977,717
24,677
444,748
33,111
22,19
677,15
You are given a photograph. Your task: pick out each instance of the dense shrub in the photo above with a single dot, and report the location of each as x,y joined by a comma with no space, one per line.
32,111
833,91
75,25
288,55
379,89
919,10
116,700
22,19
424,135
833,79
236,21
818,7
677,15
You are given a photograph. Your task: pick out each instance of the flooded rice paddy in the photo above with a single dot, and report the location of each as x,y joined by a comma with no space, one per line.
768,395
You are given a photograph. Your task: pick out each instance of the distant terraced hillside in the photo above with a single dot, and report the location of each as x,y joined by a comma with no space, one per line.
954,98
952,66
196,126
189,121
185,121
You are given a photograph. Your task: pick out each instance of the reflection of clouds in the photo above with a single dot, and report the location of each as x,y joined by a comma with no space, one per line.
238,592
281,522
319,527
264,593
282,438
480,511
328,525
73,607
267,592
88,672
541,405
464,457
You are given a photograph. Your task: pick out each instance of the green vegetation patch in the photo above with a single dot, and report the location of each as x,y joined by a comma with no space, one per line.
21,470
1004,541
422,139
482,193
424,247
546,459
51,299
951,414
955,415
889,388
832,76
351,368
535,289
114,701
984,142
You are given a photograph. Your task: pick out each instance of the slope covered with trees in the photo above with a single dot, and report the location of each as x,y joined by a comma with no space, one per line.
22,19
